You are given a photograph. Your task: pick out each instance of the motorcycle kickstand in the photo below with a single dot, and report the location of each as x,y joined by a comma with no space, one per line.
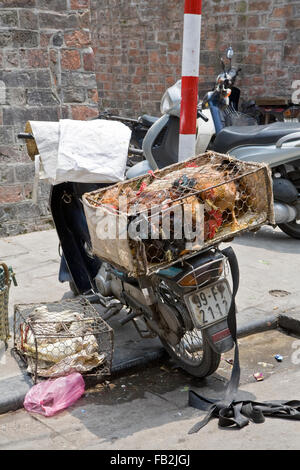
111,311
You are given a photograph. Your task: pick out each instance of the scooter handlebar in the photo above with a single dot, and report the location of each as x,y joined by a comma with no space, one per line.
25,135
202,116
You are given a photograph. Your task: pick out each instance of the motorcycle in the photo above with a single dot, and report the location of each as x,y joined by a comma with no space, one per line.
186,305
267,110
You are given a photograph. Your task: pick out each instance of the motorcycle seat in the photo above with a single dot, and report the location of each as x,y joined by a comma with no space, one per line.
237,136
148,120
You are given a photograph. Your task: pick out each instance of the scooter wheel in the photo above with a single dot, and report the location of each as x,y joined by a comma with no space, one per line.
207,363
292,229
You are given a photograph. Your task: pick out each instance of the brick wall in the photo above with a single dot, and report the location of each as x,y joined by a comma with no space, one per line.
138,48
46,73
57,57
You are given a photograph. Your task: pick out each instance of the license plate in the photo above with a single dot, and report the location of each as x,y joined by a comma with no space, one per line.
209,305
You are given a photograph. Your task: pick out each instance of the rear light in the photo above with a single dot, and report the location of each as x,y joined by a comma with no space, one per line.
292,113
205,273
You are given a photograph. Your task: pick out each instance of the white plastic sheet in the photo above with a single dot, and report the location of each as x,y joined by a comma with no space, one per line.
82,151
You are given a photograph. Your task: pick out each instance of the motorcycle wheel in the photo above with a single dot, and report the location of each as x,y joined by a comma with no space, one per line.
194,354
292,229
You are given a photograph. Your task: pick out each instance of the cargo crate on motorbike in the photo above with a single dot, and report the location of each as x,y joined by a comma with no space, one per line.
150,222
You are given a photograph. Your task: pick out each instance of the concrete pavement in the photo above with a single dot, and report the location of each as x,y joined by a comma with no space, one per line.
147,409
269,288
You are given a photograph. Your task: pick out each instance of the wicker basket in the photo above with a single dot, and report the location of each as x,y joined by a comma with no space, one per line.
57,338
5,281
230,197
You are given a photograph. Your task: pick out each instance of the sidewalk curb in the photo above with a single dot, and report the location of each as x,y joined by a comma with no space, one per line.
14,389
289,323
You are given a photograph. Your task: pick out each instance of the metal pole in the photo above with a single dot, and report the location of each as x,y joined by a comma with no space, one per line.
190,78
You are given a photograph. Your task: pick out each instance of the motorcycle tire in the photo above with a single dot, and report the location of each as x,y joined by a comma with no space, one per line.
208,365
292,229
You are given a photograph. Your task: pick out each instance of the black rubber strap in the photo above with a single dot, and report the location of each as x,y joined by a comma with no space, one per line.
228,411
219,407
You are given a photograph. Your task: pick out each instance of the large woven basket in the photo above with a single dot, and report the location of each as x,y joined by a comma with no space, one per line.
240,198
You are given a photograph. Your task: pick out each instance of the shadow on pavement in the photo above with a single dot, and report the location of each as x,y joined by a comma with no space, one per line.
145,399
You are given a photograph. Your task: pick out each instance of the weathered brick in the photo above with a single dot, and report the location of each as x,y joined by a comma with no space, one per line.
24,173
88,61
93,95
8,18
28,19
58,21
6,38
45,39
85,79
19,78
11,58
16,96
6,133
35,58
20,115
17,3
78,39
7,173
84,19
70,60
84,113
24,38
258,5
74,95
42,78
27,210
11,193
79,4
283,12
41,97
259,35
54,5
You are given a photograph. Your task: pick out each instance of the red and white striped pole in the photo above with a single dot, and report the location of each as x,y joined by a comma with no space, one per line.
190,78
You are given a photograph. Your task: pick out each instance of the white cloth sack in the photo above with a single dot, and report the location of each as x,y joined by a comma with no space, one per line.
82,151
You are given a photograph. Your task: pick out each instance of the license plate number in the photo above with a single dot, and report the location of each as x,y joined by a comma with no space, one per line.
209,305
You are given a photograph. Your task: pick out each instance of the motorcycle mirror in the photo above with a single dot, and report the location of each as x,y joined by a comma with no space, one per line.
229,53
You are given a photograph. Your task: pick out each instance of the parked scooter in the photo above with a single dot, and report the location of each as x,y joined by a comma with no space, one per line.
275,144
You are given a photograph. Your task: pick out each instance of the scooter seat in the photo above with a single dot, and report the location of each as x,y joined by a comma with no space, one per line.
237,136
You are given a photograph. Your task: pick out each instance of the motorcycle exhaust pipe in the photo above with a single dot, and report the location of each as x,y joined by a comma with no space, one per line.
284,213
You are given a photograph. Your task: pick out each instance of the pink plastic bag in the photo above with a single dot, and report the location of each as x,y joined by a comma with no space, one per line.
49,397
